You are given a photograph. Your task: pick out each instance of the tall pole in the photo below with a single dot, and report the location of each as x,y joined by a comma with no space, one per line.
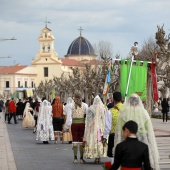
134,52
127,87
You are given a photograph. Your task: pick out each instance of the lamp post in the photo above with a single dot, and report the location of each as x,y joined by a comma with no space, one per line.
5,39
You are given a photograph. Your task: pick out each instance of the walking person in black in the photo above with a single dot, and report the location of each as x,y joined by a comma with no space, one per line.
7,110
20,109
165,109
36,112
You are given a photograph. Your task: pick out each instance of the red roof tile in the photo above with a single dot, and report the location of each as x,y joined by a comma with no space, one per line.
95,62
11,69
70,62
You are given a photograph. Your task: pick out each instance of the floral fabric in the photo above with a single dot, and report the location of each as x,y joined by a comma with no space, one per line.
45,130
94,129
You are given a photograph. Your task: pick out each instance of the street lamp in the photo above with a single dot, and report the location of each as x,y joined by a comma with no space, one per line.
6,57
5,39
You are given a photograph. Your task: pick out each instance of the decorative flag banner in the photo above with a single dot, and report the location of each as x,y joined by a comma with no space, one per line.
138,79
29,92
15,95
107,80
154,82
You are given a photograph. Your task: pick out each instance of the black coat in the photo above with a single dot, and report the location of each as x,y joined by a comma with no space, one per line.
165,107
131,153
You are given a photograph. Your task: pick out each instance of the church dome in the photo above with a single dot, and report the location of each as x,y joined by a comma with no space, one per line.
80,46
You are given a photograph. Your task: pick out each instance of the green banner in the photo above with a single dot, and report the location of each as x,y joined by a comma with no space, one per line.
138,79
15,95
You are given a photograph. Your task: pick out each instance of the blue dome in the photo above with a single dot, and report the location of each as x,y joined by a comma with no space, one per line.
80,46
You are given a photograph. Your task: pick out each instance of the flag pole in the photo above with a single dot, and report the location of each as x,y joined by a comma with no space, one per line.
127,87
134,52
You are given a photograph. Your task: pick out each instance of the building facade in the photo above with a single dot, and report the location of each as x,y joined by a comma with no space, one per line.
18,79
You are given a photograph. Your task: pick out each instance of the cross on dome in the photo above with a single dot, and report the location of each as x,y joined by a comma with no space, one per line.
80,29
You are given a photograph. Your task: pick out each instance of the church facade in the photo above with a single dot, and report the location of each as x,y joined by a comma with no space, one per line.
18,79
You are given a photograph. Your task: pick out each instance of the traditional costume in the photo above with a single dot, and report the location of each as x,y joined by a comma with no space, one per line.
58,119
133,109
94,129
45,130
28,119
131,154
67,135
77,123
36,112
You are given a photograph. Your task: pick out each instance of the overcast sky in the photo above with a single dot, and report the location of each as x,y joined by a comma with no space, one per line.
120,22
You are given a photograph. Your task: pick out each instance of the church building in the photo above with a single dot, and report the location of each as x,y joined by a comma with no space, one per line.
19,79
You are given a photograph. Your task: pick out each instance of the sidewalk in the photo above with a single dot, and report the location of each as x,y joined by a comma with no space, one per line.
161,129
7,161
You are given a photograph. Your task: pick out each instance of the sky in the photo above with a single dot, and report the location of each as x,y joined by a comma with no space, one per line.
119,22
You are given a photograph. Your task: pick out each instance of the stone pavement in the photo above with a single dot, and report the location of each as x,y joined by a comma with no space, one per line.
32,155
6,155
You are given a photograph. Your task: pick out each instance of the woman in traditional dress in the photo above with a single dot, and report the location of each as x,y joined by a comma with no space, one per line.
45,130
94,129
133,109
67,111
28,119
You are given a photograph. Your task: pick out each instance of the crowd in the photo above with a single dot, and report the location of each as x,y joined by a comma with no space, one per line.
122,132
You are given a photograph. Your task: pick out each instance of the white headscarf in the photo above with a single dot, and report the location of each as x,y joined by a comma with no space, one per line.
27,108
133,109
69,104
68,112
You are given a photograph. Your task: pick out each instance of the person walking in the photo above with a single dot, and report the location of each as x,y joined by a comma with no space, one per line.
58,119
67,111
131,154
78,126
7,110
36,112
12,111
133,109
111,121
28,120
94,130
45,130
165,110
20,109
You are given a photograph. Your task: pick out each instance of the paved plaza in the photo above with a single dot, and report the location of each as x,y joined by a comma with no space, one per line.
19,150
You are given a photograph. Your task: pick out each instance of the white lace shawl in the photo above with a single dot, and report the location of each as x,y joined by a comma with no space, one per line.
133,109
45,114
95,121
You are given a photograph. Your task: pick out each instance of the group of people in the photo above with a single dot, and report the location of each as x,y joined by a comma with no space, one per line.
98,131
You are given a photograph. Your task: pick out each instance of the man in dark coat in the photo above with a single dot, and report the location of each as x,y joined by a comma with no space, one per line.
131,153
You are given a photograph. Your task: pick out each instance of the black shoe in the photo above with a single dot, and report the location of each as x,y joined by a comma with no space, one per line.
9,123
16,122
44,142
70,142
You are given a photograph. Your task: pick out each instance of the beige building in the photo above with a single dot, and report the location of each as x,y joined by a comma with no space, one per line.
47,64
